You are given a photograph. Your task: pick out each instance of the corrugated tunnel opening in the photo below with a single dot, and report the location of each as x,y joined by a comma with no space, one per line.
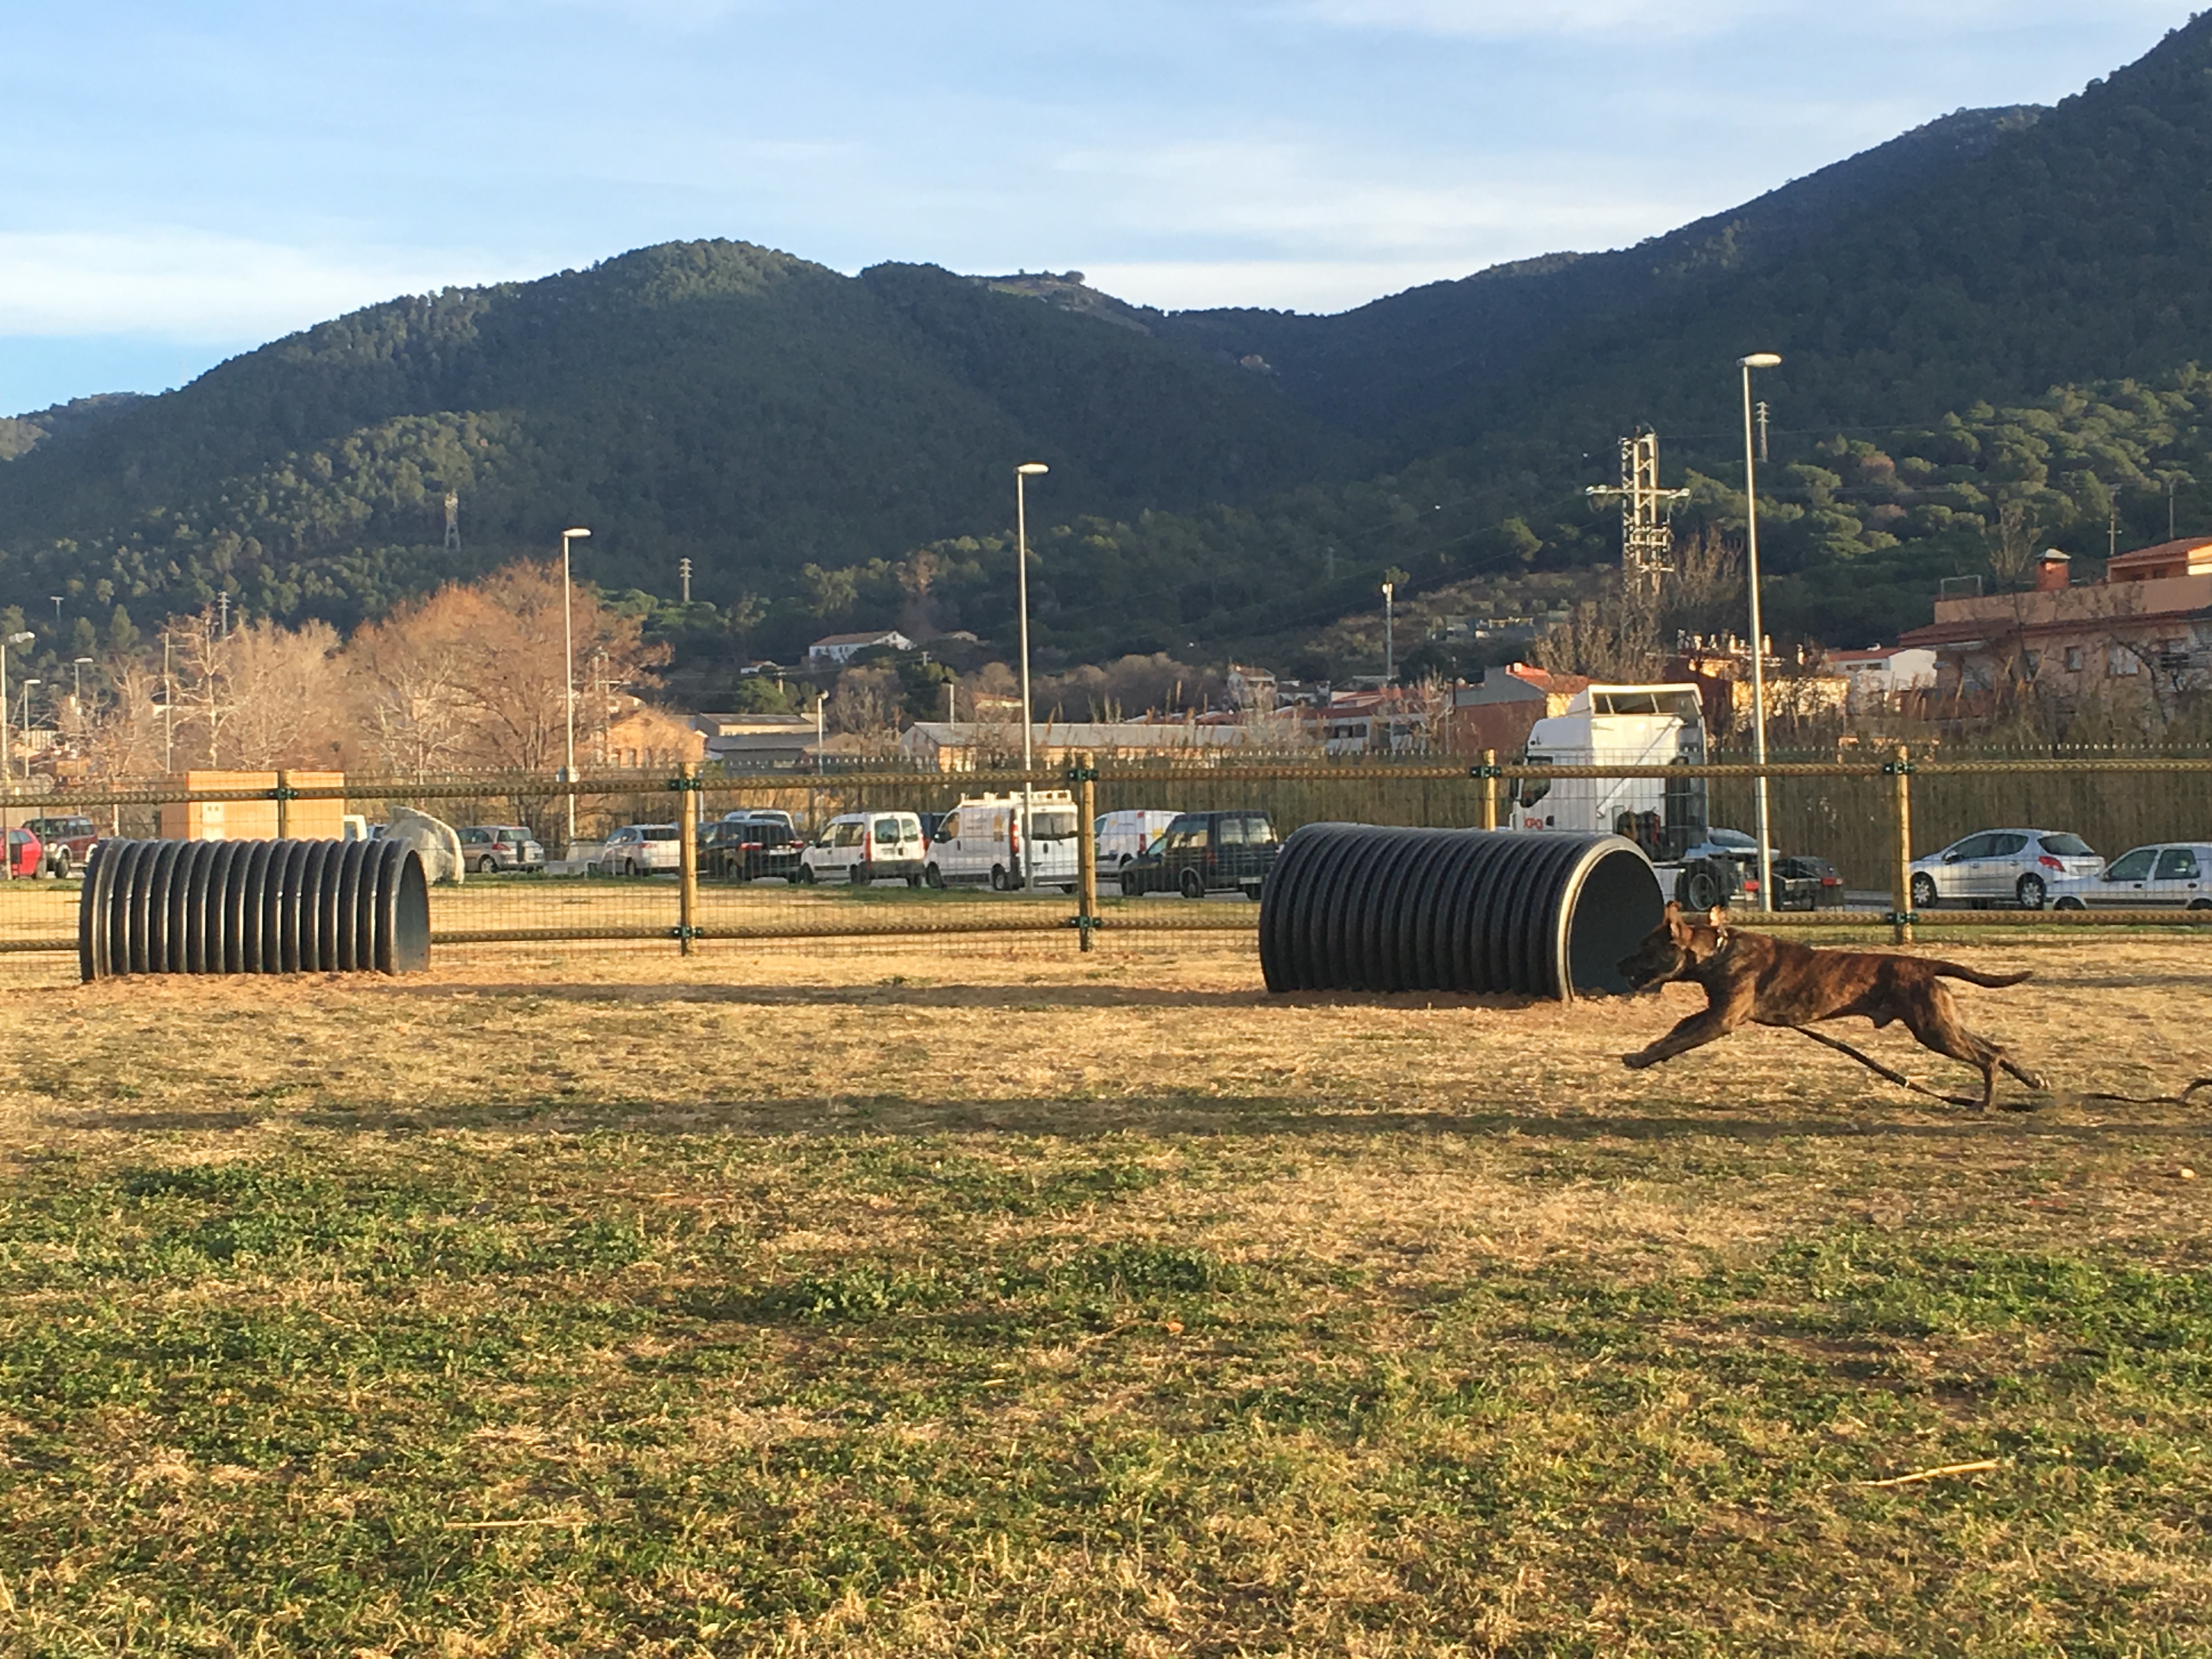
1608,913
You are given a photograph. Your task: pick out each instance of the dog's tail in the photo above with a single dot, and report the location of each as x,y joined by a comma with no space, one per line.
1976,976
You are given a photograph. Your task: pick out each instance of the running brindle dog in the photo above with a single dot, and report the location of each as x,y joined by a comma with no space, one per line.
1755,979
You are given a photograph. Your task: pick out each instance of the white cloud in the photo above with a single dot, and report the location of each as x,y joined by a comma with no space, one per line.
1511,18
1270,284
1302,201
1634,21
192,286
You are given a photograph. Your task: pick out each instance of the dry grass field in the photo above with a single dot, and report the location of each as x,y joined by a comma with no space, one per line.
984,1299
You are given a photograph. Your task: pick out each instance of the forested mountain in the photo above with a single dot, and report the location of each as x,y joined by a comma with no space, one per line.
749,410
1990,326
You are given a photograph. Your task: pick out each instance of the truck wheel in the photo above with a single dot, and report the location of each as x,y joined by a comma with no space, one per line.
1700,887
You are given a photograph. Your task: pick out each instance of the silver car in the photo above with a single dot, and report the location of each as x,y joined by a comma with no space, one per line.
2174,876
2001,867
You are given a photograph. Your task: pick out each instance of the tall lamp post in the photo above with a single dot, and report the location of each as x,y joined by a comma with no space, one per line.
1757,360
7,761
1023,474
76,696
568,677
1389,634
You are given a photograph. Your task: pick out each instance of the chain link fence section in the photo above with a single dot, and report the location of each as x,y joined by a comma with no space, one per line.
697,861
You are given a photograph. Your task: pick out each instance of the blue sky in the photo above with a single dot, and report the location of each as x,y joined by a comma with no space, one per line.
187,182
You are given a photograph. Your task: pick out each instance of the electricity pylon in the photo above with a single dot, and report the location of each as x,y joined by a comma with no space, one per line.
1647,538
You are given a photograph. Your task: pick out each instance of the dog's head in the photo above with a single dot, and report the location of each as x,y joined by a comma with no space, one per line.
1681,944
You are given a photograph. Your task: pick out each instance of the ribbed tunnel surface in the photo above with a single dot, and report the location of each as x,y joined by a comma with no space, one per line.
1353,907
252,907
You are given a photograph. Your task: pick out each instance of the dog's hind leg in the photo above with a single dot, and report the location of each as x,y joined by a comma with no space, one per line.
1937,1027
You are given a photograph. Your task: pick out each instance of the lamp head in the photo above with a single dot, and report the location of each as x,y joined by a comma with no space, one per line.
1762,360
1032,469
83,662
568,534
23,638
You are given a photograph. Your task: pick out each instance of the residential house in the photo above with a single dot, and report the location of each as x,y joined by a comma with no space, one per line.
2143,633
1880,675
639,735
843,647
755,743
973,745
1497,711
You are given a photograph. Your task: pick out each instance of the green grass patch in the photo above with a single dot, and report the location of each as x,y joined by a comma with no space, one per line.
760,1395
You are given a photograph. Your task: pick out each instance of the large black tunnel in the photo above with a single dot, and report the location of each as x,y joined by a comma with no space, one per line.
252,907
1353,907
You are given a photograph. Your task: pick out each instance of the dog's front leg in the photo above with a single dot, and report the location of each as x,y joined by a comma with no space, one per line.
1709,1024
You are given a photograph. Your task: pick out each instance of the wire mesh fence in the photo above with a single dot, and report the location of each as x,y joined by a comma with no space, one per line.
705,863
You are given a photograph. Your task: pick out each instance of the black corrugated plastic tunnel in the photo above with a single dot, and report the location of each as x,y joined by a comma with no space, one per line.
1353,907
252,907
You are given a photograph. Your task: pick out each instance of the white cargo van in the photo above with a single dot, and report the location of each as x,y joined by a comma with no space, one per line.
1123,835
981,842
862,847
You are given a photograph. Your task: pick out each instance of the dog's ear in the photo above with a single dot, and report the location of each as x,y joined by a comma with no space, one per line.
1717,916
1674,911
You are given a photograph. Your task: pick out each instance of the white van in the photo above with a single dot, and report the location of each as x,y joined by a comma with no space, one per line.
981,842
860,847
1123,835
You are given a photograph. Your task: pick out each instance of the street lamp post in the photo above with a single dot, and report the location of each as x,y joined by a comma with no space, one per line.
7,762
1389,633
76,694
568,679
1757,360
1023,474
23,722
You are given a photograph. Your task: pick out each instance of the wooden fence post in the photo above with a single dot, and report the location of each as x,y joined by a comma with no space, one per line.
1900,770
284,806
1490,789
687,857
1086,846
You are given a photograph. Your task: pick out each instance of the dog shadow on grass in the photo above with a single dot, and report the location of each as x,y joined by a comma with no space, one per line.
1161,1116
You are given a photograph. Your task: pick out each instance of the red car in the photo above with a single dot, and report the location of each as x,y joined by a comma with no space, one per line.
26,852
68,842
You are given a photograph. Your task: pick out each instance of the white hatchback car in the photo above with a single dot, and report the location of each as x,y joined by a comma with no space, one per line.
639,850
1999,867
2174,876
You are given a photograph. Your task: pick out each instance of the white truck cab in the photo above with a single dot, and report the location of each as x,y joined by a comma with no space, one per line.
1625,726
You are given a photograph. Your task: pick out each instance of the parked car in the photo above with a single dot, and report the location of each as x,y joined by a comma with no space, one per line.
1121,836
740,848
862,847
1732,857
67,840
1804,883
489,847
1996,867
1202,852
26,852
982,842
2173,876
639,850
763,815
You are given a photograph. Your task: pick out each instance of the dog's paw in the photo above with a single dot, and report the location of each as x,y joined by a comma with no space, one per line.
1638,1062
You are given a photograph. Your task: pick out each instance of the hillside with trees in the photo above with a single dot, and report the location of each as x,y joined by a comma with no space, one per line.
1991,329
